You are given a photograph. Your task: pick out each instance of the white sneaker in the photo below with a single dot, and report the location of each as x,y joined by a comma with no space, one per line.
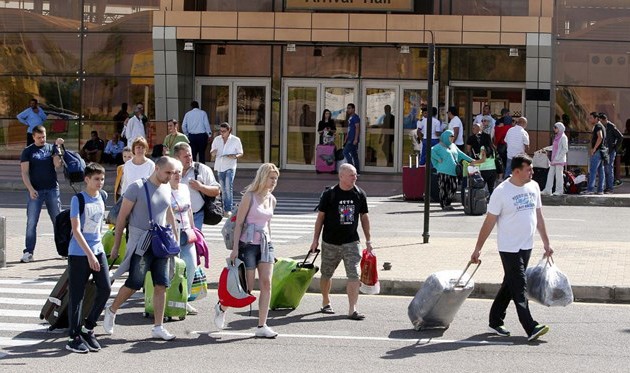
190,310
219,317
27,257
265,332
109,321
158,331
545,193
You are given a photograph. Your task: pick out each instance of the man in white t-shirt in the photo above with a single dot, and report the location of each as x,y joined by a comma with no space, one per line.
517,141
436,131
455,124
226,148
515,207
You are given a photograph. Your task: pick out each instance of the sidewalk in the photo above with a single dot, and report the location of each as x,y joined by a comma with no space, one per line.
597,274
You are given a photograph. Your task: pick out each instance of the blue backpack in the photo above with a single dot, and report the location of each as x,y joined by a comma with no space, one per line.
73,166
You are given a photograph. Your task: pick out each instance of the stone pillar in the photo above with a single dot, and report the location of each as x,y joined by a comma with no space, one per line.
538,88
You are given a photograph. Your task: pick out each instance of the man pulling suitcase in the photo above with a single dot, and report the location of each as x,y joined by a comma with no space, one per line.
515,207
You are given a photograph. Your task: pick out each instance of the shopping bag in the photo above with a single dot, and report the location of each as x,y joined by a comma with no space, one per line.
547,285
199,288
369,274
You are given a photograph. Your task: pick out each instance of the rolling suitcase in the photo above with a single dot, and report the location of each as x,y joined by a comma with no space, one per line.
474,197
176,294
413,180
440,297
55,310
325,160
291,280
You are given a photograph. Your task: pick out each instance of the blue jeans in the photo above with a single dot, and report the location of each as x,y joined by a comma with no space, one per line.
139,266
226,180
351,154
610,170
188,253
596,167
423,154
34,208
198,219
508,168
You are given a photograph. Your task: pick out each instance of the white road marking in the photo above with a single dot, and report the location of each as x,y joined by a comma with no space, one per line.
360,338
23,301
23,327
15,342
563,219
19,313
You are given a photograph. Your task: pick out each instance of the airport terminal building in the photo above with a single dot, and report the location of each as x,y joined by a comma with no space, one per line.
270,67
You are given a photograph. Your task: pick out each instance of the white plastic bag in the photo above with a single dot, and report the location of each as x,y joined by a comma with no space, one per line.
547,285
540,159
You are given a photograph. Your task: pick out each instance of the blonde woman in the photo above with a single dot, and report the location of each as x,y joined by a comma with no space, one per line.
139,166
254,248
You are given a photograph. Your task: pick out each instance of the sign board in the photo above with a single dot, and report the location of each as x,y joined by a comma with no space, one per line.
351,5
142,68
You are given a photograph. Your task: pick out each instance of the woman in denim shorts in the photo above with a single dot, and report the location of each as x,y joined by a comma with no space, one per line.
254,247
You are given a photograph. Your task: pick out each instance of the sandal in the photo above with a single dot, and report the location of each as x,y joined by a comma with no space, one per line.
327,309
356,316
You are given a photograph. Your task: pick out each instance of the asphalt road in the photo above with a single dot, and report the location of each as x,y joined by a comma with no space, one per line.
583,338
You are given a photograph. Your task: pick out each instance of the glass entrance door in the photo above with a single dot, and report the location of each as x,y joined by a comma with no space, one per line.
304,102
244,104
390,112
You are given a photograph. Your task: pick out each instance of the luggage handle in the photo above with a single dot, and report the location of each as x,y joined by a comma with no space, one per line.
417,160
312,262
464,272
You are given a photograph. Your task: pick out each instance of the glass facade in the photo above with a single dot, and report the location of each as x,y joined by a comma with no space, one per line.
592,61
43,54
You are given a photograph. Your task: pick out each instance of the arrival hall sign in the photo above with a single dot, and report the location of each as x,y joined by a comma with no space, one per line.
351,5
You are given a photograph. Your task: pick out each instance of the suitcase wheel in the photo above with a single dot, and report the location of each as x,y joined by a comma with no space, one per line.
145,314
168,319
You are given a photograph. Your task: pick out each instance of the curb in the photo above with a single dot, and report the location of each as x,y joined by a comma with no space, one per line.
562,200
581,293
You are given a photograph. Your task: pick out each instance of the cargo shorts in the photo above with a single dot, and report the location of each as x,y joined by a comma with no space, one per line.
332,255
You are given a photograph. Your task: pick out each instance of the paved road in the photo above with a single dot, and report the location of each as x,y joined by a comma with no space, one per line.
583,337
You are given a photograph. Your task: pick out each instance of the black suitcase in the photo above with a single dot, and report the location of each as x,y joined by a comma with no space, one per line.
55,310
475,196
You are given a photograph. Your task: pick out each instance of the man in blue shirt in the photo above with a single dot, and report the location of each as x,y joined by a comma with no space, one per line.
38,162
113,150
351,146
33,116
197,127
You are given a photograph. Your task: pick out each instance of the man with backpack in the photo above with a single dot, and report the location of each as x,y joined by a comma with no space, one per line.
86,257
613,139
340,210
38,164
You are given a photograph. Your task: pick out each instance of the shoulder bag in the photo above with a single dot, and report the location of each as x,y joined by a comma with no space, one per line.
163,243
212,210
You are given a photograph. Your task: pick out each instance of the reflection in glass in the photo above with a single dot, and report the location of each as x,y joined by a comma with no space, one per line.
250,122
486,65
335,62
380,123
389,63
215,99
301,124
210,63
413,101
485,7
336,100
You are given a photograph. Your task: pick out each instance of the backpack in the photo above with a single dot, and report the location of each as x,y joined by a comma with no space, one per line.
331,198
63,226
228,230
73,166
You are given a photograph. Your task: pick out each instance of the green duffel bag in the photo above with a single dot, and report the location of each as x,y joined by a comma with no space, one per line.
290,281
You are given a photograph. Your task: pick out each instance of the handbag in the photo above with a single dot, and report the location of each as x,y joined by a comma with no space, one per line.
540,160
112,215
498,165
199,288
163,243
459,170
212,209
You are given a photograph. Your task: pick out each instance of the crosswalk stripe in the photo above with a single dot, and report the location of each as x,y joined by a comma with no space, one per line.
25,327
25,291
16,342
23,301
19,313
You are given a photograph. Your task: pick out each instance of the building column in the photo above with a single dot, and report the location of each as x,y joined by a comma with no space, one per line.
538,88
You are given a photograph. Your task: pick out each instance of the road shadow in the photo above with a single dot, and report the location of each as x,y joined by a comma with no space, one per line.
429,342
283,317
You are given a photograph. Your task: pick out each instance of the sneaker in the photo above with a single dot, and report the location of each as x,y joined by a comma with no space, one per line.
587,193
190,310
158,331
499,330
87,336
76,345
265,332
27,257
538,331
219,316
545,193
608,191
558,194
600,193
109,321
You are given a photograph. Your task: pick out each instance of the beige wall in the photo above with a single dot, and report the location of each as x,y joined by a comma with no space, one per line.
349,27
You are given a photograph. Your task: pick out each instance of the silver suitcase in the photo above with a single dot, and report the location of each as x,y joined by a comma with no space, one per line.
440,297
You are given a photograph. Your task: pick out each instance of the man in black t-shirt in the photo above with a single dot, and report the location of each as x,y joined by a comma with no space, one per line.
38,162
598,141
340,209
